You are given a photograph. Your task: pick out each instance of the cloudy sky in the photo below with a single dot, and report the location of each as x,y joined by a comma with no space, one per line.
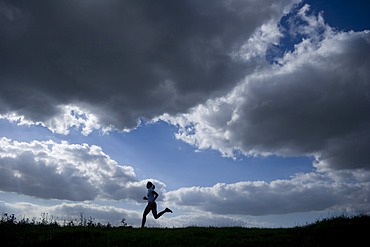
242,112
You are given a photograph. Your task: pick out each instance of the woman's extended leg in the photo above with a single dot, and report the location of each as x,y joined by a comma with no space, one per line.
157,215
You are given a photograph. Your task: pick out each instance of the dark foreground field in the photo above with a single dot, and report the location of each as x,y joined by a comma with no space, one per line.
344,231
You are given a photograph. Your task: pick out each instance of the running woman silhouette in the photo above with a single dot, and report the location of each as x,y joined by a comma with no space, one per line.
152,205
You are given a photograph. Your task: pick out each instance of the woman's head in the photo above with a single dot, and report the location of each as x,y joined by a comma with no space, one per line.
149,185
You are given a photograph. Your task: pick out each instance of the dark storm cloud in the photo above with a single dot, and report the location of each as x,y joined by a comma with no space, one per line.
122,59
315,101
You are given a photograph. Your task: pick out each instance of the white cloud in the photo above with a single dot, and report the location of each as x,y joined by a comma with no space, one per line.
68,117
73,116
65,171
302,193
256,46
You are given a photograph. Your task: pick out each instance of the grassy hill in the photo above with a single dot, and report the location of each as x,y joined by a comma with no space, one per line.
328,232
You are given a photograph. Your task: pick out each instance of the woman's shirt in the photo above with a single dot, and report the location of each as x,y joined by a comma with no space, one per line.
150,195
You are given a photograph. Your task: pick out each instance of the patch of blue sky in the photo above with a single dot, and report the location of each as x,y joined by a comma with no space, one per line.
24,133
344,15
154,152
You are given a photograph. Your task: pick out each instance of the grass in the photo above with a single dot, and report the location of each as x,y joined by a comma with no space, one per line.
339,230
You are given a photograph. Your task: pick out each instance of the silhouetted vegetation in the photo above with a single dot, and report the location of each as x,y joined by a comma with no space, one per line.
346,231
